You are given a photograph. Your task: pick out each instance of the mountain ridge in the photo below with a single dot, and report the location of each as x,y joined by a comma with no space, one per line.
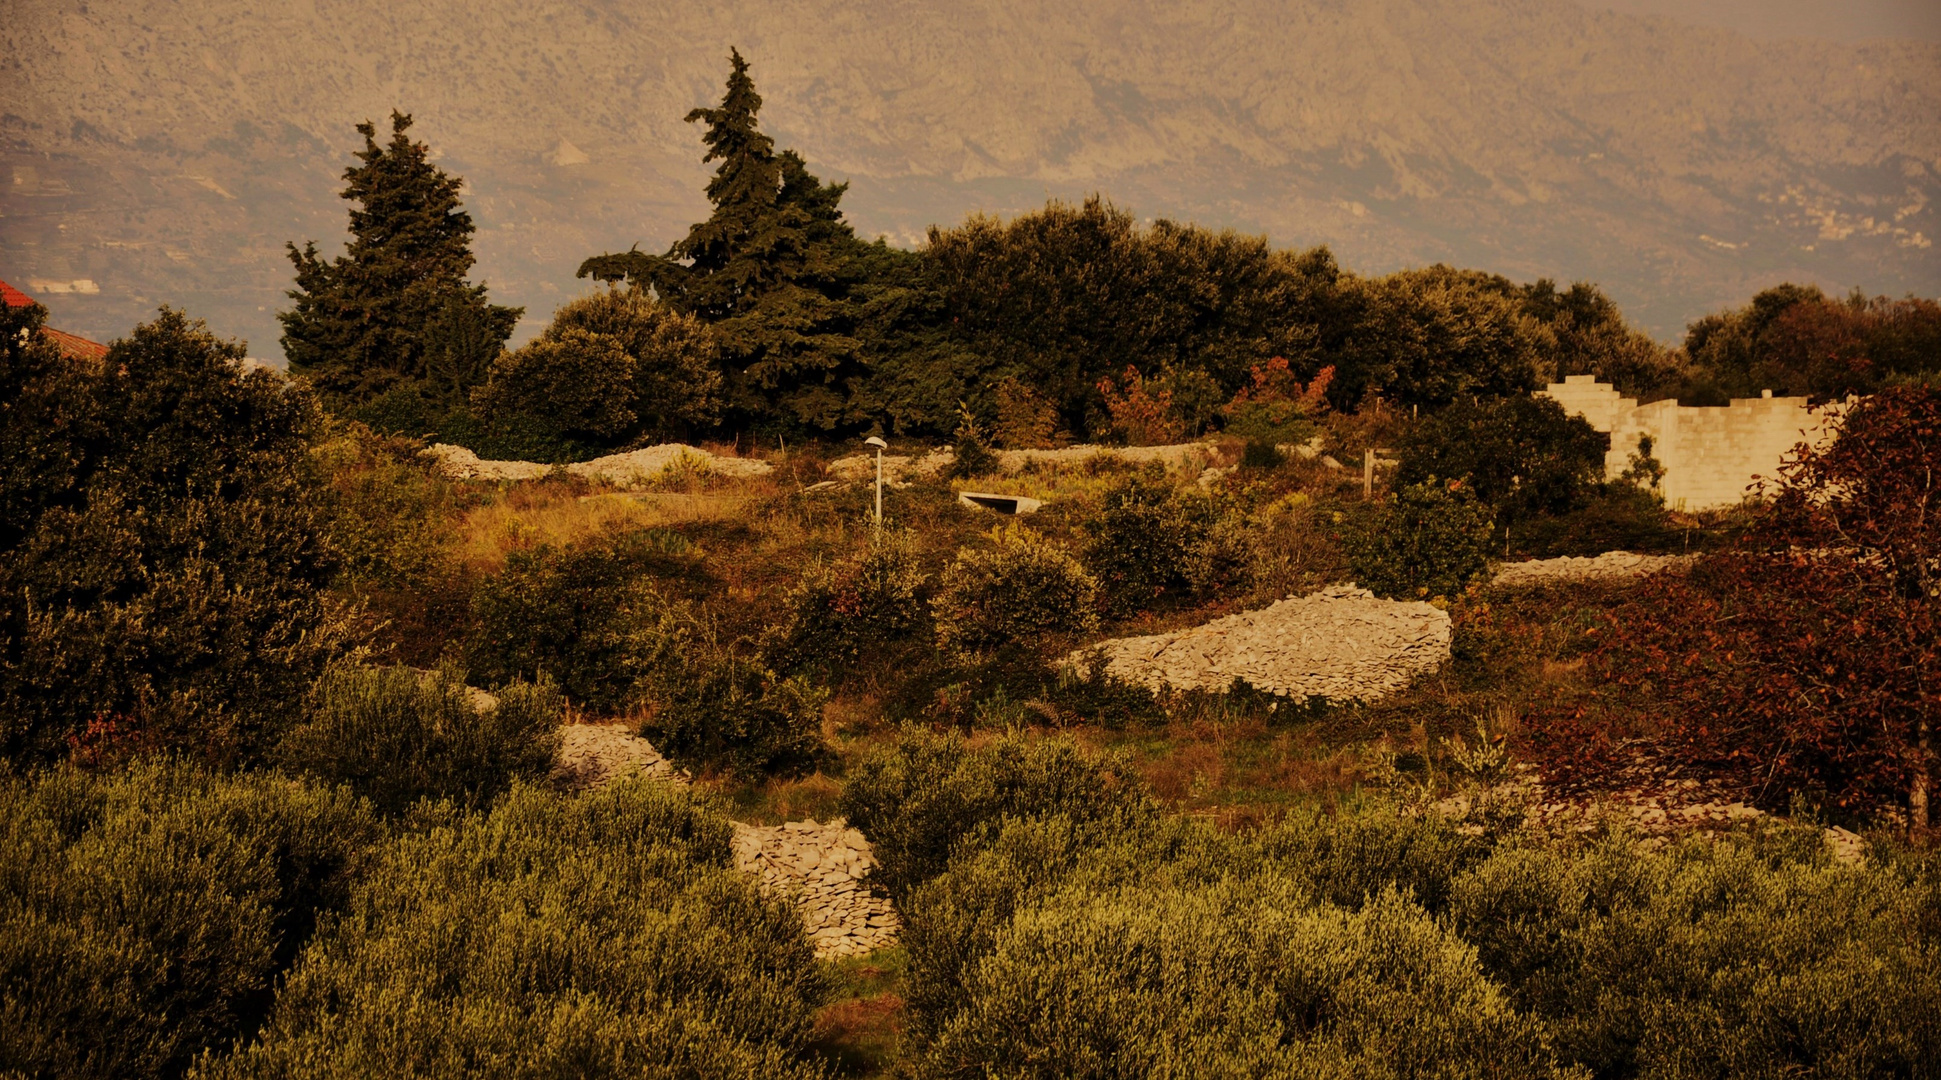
166,151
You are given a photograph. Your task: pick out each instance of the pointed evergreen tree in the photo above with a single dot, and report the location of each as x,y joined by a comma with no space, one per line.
771,268
395,307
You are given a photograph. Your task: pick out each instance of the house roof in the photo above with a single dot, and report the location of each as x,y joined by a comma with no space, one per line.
72,345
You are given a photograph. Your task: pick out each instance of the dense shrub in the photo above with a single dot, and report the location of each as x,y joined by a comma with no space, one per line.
604,935
929,795
1276,408
1428,540
397,735
855,610
1234,979
1713,959
145,916
163,560
1793,339
587,617
720,711
573,387
1523,456
1012,596
1140,543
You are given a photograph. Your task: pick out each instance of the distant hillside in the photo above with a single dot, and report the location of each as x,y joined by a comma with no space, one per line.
165,151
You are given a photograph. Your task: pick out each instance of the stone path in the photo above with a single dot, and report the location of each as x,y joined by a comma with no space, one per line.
1340,643
823,868
1611,565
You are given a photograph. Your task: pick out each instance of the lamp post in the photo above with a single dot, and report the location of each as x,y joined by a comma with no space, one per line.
880,446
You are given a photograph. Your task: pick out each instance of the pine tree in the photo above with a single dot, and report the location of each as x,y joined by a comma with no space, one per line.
395,307
771,268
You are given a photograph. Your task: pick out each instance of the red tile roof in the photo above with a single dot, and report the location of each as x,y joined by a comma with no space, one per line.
73,345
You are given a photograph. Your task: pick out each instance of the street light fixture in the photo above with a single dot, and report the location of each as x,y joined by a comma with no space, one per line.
880,446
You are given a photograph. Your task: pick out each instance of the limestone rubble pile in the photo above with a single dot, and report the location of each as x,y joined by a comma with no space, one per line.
1610,566
902,469
1340,643
822,868
635,468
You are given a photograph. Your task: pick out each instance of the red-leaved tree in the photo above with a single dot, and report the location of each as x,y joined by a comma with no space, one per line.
1805,659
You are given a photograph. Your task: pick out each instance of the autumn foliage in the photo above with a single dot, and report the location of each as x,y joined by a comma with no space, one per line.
1806,658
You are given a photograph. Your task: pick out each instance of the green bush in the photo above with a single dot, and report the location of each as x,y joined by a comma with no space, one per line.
1754,958
164,556
1140,543
1428,540
855,611
929,795
574,385
723,712
586,617
145,916
1233,979
397,735
1523,456
1012,596
600,935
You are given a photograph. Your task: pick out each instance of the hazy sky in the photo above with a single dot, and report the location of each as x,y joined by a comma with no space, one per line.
1841,20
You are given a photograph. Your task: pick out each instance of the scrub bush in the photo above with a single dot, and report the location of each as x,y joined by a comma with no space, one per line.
1012,597
844,614
1232,979
591,936
164,556
928,794
1752,958
719,711
145,916
1523,456
397,735
1428,540
587,617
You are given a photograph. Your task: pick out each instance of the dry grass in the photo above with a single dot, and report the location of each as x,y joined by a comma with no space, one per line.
562,514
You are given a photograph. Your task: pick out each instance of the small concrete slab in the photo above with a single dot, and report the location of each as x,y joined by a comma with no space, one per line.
1003,504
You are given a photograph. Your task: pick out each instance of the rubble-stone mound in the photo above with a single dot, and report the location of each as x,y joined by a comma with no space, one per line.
824,869
635,468
1612,565
593,755
1340,643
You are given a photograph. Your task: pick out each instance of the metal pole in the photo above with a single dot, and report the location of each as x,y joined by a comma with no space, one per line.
1368,474
879,487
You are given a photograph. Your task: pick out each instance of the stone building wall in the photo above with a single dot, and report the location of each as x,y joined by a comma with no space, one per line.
1711,455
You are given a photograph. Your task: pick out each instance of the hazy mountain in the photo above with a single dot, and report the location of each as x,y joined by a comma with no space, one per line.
166,150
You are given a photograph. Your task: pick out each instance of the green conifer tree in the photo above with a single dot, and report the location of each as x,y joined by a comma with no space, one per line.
395,307
772,268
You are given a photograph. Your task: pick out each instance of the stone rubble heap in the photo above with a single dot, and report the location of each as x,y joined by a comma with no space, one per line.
1340,643
1611,565
594,755
1655,800
635,468
824,869
902,469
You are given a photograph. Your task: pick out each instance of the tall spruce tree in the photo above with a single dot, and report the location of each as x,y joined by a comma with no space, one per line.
772,268
394,312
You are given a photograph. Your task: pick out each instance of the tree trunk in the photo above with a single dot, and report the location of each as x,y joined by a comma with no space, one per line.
1917,795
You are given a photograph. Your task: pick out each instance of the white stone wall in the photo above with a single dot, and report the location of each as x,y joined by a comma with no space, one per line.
1712,455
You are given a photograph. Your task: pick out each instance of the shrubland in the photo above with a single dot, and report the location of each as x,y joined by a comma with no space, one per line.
279,699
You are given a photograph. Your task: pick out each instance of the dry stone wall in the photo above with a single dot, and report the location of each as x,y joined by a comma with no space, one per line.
822,868
1711,455
635,468
1610,566
1341,643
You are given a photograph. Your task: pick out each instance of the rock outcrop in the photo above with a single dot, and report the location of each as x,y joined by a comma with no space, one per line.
1612,565
633,469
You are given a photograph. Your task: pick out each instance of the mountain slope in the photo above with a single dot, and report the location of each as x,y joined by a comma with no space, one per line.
167,150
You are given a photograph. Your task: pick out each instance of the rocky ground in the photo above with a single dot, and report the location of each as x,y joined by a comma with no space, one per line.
823,868
1609,566
1651,796
635,468
1340,643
